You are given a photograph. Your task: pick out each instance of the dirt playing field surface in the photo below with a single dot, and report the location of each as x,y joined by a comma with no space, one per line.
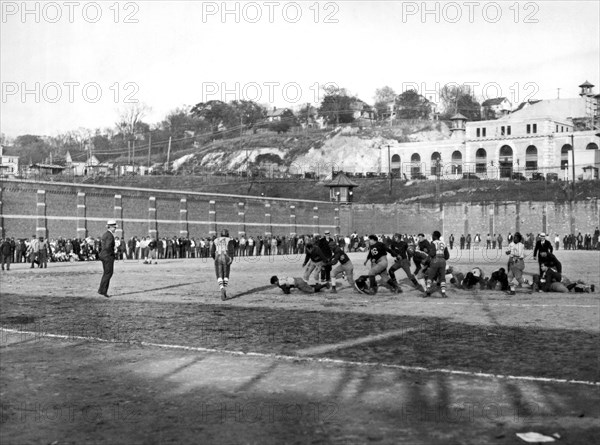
164,360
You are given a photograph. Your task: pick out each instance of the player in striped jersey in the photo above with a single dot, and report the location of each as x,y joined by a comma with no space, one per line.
437,267
222,251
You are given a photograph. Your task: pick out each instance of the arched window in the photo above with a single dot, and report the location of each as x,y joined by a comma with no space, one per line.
396,165
592,146
506,161
564,156
436,164
457,162
481,161
531,158
415,169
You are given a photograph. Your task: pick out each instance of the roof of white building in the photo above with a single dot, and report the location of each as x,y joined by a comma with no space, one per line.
555,109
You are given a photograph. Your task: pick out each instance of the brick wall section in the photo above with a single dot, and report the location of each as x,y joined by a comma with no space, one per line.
482,218
20,198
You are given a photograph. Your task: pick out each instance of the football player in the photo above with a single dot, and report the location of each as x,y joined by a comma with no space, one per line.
288,283
438,253
222,251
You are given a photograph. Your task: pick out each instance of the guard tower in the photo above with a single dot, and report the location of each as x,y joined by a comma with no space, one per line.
340,189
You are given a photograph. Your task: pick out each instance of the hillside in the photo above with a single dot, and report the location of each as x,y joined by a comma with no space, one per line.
371,190
216,166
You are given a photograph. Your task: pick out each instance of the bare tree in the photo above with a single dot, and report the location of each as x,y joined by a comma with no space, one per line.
130,118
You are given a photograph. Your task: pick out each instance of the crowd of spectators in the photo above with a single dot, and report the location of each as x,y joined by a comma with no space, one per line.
38,252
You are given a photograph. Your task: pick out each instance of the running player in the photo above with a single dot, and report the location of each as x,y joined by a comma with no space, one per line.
344,267
222,251
401,253
438,253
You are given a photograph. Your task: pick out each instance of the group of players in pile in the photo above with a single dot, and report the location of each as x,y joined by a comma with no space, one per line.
326,261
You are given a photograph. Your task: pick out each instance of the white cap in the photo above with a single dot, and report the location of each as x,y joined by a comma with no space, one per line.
542,234
111,222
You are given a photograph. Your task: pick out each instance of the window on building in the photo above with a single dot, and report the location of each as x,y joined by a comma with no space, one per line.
502,131
508,130
457,162
528,128
436,166
564,156
480,161
557,128
479,132
415,169
483,132
534,128
531,158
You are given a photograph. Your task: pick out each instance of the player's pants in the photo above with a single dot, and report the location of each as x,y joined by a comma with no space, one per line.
437,271
222,267
313,268
515,272
379,268
348,268
303,286
403,264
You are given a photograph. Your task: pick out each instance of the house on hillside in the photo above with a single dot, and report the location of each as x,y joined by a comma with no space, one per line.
277,114
495,108
94,164
40,169
9,163
362,110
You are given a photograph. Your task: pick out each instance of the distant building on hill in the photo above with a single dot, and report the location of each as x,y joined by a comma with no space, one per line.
537,137
9,163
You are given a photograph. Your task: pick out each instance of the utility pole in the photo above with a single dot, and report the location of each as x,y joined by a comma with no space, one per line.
573,164
128,152
169,154
390,169
149,148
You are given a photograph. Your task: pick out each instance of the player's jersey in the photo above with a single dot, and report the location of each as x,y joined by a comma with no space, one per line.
438,249
289,281
516,251
221,246
376,251
339,255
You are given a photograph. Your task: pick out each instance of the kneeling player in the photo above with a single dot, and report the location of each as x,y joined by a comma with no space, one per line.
288,283
498,277
378,256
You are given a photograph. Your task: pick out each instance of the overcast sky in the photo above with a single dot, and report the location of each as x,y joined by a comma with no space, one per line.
79,63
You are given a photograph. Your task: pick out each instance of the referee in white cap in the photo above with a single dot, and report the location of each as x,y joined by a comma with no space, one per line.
107,256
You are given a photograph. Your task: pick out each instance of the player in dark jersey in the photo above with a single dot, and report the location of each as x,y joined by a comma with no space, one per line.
421,252
378,256
438,252
222,251
399,250
344,265
314,261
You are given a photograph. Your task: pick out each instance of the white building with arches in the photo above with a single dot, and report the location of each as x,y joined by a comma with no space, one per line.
537,138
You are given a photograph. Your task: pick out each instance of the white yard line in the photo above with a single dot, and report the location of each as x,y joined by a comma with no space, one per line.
322,349
292,358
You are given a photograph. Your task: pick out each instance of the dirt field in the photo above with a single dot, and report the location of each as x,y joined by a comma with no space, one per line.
166,361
